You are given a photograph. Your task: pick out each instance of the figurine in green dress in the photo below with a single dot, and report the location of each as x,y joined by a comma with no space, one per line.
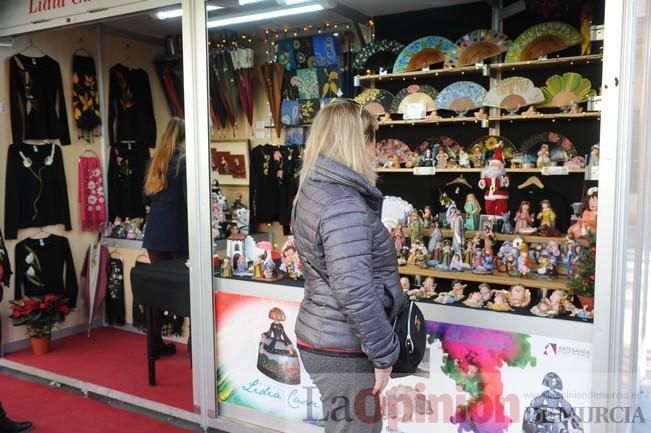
472,209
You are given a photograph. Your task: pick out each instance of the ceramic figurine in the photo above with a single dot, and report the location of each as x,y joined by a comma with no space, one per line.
524,219
429,285
524,263
546,266
421,258
454,295
495,182
405,284
445,201
519,296
583,313
554,251
237,203
536,253
415,226
547,216
425,291
576,108
290,262
464,159
477,260
467,254
226,268
500,301
477,156
588,220
472,209
446,255
442,159
475,300
398,235
531,111
241,267
257,268
436,252
458,233
427,218
476,241
574,258
488,236
435,236
410,159
426,158
457,263
567,247
543,156
593,158
485,291
552,306
507,228
481,113
488,259
269,267
512,267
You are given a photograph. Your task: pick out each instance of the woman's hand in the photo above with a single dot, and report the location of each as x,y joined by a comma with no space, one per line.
382,376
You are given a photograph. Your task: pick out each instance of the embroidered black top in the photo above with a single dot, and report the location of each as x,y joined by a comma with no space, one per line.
131,111
36,193
38,105
45,266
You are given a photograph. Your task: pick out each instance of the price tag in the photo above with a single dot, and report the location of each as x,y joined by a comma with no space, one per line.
415,111
555,171
356,81
425,68
424,171
383,71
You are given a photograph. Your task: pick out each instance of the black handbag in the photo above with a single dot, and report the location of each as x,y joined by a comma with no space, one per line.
409,326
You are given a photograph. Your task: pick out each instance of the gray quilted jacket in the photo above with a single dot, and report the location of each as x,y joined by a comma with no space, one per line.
352,286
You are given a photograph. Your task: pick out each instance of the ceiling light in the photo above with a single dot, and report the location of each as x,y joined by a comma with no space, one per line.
175,13
261,16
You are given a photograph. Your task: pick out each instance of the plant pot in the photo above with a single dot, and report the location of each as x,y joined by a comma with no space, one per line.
41,345
587,302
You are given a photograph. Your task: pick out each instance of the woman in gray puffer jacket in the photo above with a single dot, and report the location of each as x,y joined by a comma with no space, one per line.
352,287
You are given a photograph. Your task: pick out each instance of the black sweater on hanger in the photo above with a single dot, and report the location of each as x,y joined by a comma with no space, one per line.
131,111
45,266
38,107
37,195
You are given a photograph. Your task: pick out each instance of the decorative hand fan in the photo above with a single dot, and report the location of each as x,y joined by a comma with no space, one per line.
461,97
415,94
563,91
376,101
424,52
513,93
479,45
542,39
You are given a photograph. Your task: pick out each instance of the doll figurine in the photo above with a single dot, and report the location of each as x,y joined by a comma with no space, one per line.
458,233
523,218
512,267
476,241
593,158
588,220
405,284
552,306
543,156
257,268
477,260
464,159
554,251
574,257
268,267
446,255
398,235
434,237
489,259
519,296
488,236
454,295
472,209
547,216
524,263
415,226
442,159
437,252
467,254
226,268
485,291
546,266
426,158
567,248
427,218
457,263
477,156
500,301
241,267
475,300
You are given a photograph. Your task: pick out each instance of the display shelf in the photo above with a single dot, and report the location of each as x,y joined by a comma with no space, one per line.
415,75
477,170
547,116
122,243
447,233
441,120
549,63
494,278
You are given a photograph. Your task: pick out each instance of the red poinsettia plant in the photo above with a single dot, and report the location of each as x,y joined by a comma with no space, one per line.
39,314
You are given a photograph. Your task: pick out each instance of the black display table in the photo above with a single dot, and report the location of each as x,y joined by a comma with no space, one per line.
161,286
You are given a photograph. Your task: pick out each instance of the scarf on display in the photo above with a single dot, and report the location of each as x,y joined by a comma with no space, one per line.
85,97
92,203
115,309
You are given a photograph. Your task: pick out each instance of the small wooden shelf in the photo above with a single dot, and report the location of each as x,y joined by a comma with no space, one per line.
476,170
441,120
547,116
494,278
549,63
415,75
469,234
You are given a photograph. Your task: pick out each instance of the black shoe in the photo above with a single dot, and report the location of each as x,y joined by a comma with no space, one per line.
165,350
17,427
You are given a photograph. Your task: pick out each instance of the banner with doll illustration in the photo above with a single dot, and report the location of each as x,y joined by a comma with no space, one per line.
471,379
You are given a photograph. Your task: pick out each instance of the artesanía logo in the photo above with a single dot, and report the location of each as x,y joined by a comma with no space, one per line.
551,349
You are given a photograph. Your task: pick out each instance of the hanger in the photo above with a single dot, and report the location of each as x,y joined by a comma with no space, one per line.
460,180
30,46
39,232
115,254
90,151
127,59
143,255
81,49
533,180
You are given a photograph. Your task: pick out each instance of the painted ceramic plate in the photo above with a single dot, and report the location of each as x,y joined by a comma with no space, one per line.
561,148
377,54
479,45
461,96
484,148
563,91
376,101
542,39
513,93
424,52
415,93
390,147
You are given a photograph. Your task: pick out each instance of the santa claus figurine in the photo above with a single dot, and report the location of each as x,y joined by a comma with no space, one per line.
495,182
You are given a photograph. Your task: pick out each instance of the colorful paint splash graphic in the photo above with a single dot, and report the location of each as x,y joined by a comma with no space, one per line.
473,359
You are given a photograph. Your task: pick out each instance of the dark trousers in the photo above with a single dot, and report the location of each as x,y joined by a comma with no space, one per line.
4,421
